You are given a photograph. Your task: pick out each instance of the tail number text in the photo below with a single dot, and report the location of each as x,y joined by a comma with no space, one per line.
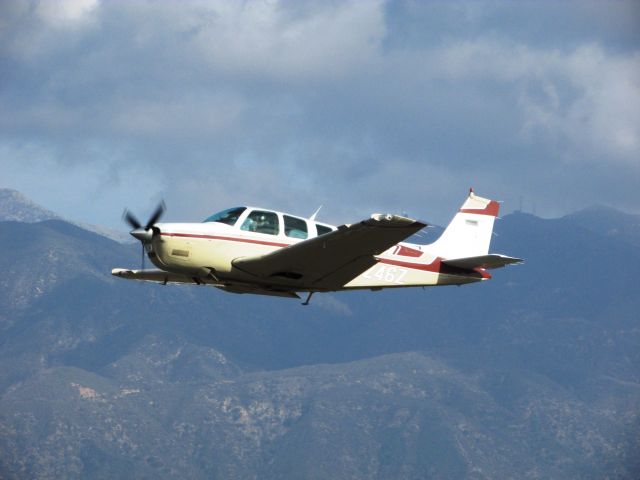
387,274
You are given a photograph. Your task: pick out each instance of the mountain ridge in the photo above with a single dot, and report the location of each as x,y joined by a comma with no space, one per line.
15,206
533,374
18,207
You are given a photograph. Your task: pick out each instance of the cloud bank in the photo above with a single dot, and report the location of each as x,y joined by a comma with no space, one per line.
360,106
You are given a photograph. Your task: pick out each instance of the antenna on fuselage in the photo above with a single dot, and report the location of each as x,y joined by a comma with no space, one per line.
313,217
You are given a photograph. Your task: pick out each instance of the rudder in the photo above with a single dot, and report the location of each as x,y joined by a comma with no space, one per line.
469,233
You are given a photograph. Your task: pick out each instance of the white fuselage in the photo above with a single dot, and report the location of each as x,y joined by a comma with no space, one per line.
255,250
202,249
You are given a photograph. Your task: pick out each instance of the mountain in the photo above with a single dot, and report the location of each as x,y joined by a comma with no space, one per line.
610,222
14,206
534,374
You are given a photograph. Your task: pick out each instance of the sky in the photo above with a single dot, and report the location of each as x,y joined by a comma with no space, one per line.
359,106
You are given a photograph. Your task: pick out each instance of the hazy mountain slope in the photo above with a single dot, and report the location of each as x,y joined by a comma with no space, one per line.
531,375
400,416
609,222
14,206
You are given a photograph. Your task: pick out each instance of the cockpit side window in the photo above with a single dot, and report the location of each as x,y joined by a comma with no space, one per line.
261,221
322,230
228,217
295,227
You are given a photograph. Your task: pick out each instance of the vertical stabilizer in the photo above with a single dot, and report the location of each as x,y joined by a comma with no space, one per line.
469,233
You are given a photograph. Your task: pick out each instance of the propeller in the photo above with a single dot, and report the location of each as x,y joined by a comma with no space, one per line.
144,234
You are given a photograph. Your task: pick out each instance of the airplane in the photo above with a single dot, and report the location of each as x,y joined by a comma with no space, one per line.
261,251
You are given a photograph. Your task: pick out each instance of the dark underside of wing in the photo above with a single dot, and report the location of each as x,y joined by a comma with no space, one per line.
160,276
489,261
165,278
332,260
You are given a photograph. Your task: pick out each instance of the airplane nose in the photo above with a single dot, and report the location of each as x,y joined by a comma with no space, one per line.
142,234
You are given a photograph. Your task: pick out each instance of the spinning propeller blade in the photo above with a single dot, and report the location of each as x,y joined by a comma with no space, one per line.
144,234
130,219
159,211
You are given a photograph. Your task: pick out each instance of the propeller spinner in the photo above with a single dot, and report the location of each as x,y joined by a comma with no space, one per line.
144,234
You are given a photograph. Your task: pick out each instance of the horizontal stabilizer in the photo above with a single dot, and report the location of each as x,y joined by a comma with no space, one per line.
492,260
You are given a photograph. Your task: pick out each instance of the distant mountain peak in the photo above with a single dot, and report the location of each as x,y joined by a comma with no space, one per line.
608,221
17,207
602,210
14,206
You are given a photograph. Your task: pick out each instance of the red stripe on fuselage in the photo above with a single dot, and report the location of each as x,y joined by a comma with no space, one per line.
436,267
427,267
230,239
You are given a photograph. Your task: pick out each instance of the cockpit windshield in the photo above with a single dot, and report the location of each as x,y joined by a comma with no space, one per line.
229,216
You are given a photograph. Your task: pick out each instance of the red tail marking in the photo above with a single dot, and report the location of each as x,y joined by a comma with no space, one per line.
408,252
491,209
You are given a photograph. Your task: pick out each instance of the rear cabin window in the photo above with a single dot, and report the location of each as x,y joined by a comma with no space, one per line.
295,227
322,230
228,217
261,221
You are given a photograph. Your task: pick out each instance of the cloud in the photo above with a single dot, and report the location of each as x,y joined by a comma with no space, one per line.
95,193
292,42
360,106
66,13
586,98
333,305
605,120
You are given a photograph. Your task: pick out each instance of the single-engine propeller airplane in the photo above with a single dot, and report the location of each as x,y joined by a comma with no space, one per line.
261,251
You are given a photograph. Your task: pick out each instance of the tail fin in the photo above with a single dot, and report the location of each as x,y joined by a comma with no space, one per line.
469,233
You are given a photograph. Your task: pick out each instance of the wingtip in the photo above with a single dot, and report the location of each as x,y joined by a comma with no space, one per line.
395,220
121,272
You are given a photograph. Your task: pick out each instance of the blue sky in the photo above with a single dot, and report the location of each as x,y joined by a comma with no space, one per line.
360,106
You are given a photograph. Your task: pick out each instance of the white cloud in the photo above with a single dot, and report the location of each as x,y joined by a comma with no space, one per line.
294,104
586,99
605,119
332,304
277,39
32,32
184,116
67,13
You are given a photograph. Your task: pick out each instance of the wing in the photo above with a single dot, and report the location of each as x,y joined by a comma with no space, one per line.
332,260
161,276
243,288
492,260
